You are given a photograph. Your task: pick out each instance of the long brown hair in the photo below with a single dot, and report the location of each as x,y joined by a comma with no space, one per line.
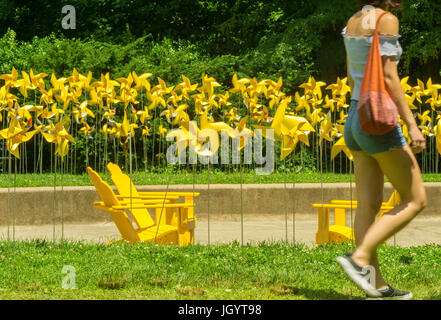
393,4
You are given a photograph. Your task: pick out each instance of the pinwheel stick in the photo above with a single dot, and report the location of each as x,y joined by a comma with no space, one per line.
144,149
241,199
294,206
9,204
285,209
15,204
208,200
321,188
54,210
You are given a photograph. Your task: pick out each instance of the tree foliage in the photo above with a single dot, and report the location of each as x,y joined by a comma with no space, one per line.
288,38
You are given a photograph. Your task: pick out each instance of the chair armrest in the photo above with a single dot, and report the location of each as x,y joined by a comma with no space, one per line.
348,202
345,206
147,201
158,197
162,193
155,205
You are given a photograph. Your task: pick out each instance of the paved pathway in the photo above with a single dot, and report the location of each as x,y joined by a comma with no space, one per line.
418,232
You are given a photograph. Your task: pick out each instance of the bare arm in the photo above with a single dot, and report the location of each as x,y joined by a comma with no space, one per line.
390,25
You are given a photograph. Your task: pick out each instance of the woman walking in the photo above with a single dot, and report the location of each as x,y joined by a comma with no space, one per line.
379,155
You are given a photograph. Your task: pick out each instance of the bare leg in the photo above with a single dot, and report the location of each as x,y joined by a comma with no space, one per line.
402,170
369,180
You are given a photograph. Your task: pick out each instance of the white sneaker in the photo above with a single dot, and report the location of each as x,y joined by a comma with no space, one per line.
392,294
356,274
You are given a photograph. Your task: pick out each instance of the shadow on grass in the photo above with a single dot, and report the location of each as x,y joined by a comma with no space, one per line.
328,294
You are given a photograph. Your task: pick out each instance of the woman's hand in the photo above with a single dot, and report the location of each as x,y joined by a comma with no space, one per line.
418,143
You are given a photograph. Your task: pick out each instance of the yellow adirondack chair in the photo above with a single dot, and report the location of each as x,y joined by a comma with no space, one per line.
158,233
339,232
127,190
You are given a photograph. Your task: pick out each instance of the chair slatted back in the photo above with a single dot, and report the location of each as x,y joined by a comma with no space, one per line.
125,187
119,217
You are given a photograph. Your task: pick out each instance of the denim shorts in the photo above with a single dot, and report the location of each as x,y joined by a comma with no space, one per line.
356,139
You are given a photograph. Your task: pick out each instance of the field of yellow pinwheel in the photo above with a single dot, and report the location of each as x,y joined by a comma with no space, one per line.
41,115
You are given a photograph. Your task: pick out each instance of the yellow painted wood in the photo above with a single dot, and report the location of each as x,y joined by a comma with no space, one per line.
167,211
339,232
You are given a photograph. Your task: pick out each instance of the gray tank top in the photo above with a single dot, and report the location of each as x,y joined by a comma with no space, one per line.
357,50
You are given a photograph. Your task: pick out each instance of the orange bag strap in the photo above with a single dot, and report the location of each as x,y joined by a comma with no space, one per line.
378,21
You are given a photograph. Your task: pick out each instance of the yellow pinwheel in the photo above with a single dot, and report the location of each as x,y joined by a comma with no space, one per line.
315,116
15,134
126,83
63,137
239,85
313,88
128,96
186,137
175,99
10,79
24,84
179,115
82,112
410,101
155,98
144,115
217,126
261,115
434,100
339,146
38,110
106,129
126,128
208,85
427,131
343,117
223,100
231,115
288,129
406,87
106,84
329,103
424,117
301,102
186,87
430,87
86,129
327,130
161,131
437,133
7,98
419,91
54,112
242,133
145,131
340,88
162,88
59,135
141,81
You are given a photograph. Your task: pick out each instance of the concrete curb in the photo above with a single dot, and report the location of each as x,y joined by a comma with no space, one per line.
35,206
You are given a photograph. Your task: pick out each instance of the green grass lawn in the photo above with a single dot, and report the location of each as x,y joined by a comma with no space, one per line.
183,177
33,270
